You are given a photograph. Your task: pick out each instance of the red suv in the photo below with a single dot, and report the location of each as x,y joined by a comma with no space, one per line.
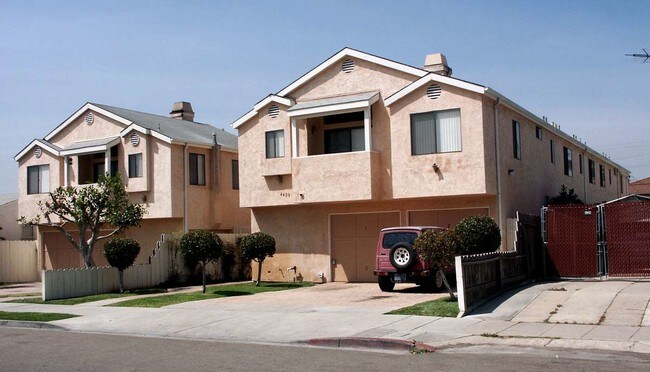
397,261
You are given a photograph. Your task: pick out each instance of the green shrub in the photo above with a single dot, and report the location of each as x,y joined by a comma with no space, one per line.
257,247
201,246
478,234
438,248
121,253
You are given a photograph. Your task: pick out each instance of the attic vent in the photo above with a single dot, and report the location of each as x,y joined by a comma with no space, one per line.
348,66
433,91
90,118
274,111
38,152
135,139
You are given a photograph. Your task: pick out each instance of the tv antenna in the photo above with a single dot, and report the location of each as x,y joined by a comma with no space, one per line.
645,55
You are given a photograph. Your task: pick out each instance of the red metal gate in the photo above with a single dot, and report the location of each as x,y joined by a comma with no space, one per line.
572,241
627,227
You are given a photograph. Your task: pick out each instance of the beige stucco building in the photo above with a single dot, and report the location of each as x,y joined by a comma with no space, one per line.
361,142
185,173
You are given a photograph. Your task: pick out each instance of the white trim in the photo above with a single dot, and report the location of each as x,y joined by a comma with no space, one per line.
78,113
199,145
435,78
294,137
339,108
367,129
356,54
273,98
36,142
88,150
258,106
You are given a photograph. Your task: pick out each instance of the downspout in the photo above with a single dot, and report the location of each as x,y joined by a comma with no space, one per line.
498,157
186,228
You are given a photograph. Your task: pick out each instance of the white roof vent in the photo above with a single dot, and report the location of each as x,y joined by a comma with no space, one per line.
38,152
274,111
135,139
347,66
90,118
434,91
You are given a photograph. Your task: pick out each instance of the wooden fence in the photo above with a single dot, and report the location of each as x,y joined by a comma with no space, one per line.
18,261
66,283
482,276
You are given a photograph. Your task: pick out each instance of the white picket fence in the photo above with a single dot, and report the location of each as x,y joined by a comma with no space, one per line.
18,261
66,283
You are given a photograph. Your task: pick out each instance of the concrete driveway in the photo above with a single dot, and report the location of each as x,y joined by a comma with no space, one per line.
609,303
329,297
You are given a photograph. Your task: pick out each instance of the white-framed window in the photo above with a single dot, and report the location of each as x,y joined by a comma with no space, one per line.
568,162
516,140
275,144
197,169
435,132
538,133
135,165
38,179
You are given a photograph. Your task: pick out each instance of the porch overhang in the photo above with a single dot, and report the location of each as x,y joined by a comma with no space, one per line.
330,106
91,146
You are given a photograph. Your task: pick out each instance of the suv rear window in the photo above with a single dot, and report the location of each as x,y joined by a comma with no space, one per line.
390,239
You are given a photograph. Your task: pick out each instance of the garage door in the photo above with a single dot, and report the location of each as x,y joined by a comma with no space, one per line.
354,244
443,217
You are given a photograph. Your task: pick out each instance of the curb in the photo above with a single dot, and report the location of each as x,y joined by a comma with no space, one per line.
365,343
28,324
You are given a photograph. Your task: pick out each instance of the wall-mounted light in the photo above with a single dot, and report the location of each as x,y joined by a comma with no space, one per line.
144,198
279,178
436,168
511,172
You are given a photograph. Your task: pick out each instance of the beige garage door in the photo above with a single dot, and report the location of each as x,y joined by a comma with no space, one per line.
354,244
443,218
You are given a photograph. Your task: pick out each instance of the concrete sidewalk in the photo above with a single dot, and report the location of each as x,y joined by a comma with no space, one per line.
258,319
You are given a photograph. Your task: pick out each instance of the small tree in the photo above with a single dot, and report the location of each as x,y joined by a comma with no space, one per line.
257,247
89,208
121,253
566,196
437,248
478,234
202,246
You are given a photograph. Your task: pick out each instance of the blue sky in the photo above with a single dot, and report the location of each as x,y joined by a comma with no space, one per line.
564,60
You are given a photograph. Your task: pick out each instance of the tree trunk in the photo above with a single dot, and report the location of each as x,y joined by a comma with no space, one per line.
87,252
259,273
444,280
203,275
121,277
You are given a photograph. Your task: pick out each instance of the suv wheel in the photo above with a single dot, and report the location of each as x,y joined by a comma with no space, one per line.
385,284
402,256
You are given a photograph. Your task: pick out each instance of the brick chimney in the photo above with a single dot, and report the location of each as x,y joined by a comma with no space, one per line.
182,111
437,63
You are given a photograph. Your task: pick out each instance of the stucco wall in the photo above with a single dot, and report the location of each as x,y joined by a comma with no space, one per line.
460,172
533,177
78,130
28,204
302,232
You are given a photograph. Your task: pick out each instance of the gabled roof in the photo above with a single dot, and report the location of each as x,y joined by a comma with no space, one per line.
52,149
173,130
349,52
433,77
258,106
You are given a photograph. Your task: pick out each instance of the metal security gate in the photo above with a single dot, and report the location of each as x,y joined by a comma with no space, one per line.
610,239
570,237
627,227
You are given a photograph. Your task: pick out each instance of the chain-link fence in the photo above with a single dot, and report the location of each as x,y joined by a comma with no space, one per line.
572,240
627,232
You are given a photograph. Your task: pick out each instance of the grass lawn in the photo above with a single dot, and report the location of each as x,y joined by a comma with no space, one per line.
84,299
20,295
440,307
34,317
216,291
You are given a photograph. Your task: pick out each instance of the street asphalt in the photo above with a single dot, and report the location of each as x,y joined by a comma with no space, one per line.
609,315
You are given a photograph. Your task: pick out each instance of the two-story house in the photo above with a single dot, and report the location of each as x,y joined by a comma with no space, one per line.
361,142
185,173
